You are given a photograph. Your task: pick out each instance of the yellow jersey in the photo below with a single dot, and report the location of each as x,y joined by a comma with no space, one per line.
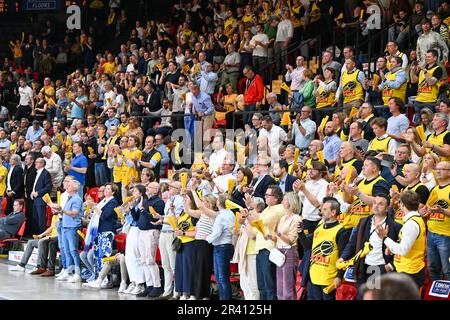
414,260
352,89
3,174
439,223
185,224
425,92
324,255
130,171
380,145
438,139
388,93
325,99
399,214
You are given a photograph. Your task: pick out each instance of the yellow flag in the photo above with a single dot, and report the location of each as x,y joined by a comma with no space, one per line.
236,222
128,199
153,212
349,175
46,198
353,112
296,154
108,259
58,197
285,87
323,123
183,180
186,68
395,188
91,150
230,205
200,194
119,214
172,222
320,156
285,119
258,224
81,234
244,181
51,102
231,184
420,132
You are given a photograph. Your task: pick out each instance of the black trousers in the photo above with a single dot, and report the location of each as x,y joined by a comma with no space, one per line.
23,112
202,269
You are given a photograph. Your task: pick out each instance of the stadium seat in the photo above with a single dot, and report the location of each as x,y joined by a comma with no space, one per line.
121,240
11,243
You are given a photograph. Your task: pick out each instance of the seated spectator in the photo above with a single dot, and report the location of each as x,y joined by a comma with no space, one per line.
10,225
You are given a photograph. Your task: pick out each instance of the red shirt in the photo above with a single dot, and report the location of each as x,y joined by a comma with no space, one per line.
254,90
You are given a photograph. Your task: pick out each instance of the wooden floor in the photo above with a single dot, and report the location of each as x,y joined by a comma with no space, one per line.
23,286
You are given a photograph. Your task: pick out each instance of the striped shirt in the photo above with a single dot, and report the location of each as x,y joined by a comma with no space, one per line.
204,227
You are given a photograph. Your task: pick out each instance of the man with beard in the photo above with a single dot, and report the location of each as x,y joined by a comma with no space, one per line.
331,144
285,180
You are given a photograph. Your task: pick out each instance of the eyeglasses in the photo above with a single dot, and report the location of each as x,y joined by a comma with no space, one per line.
441,169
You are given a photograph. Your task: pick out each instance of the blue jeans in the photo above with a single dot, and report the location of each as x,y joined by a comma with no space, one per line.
438,253
81,191
101,173
70,238
89,260
222,257
266,276
248,116
62,255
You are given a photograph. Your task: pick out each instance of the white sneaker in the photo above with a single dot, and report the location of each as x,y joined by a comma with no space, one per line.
64,277
105,283
74,279
192,298
130,288
122,288
60,273
183,298
18,268
93,284
138,289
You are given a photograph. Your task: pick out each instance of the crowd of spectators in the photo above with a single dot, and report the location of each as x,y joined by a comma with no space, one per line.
350,157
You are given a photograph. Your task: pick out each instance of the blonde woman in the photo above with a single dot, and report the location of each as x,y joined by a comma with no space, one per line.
285,236
428,166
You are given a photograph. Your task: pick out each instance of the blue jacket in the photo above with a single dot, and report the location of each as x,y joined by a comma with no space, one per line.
43,186
108,217
144,218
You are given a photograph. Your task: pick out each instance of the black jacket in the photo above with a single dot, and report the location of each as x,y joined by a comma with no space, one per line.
261,188
288,187
361,235
17,181
12,223
30,175
43,186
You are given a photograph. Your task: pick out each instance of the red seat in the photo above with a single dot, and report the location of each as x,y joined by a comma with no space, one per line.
347,291
121,240
4,201
19,235
49,215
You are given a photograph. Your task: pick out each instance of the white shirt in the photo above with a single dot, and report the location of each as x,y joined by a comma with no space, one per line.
285,30
259,51
319,190
275,137
26,94
38,174
216,159
222,183
296,76
375,256
8,187
54,167
410,231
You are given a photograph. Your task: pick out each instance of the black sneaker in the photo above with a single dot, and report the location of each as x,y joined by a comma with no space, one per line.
156,292
145,293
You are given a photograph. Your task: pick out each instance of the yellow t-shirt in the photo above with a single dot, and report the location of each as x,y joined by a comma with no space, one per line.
122,129
109,67
130,171
3,173
270,218
55,221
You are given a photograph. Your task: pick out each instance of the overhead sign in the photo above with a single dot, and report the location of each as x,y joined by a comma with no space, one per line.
40,5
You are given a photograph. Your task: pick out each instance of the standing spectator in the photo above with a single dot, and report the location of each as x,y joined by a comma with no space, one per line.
331,145
231,67
26,101
14,182
254,92
398,122
259,43
53,165
78,166
220,238
303,130
430,40
284,35
352,85
42,185
275,137
208,80
203,108
295,76
71,222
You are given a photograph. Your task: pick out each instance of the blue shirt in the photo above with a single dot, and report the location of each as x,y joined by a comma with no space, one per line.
202,103
178,209
79,161
33,135
74,203
77,112
331,147
164,155
222,229
112,122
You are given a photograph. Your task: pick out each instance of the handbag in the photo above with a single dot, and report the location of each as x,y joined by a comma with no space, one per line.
277,257
177,245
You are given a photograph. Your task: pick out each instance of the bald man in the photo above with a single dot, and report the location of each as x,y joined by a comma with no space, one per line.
347,155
